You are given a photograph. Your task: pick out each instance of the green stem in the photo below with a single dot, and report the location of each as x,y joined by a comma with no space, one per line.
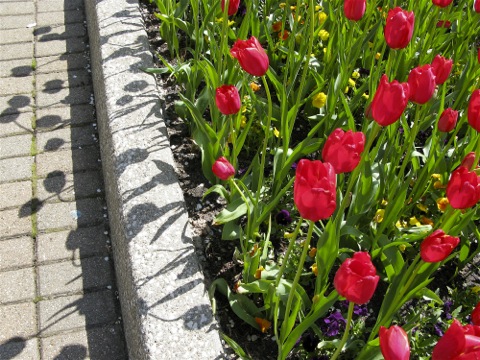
347,331
223,36
244,243
287,253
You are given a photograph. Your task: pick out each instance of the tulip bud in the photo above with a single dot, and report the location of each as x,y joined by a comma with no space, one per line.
251,56
232,6
399,28
442,3
343,150
223,169
447,120
389,101
463,188
437,246
228,99
473,114
421,81
468,161
354,9
394,343
441,68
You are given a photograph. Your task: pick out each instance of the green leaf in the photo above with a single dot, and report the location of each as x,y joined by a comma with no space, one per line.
428,294
233,211
235,347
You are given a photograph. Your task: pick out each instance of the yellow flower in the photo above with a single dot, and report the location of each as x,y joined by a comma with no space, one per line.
355,75
243,122
377,55
293,8
379,214
400,224
442,204
426,221
287,235
437,176
282,5
322,17
402,247
351,82
438,185
414,221
319,100
312,252
318,7
254,86
422,207
314,269
263,324
346,90
366,96
323,35
384,202
258,272
276,132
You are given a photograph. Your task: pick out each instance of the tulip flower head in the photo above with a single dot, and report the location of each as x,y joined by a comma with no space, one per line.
394,343
458,343
437,246
476,6
357,278
468,161
399,28
447,120
441,3
314,189
389,101
223,169
354,9
463,188
441,68
343,150
251,56
421,81
232,6
227,99
473,113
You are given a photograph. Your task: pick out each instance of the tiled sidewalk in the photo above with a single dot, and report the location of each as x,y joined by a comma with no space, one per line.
57,286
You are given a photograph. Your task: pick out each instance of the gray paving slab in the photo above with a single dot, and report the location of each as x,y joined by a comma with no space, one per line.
17,320
76,312
16,21
97,343
15,194
67,161
17,285
16,68
14,225
74,276
59,5
12,36
59,47
81,213
60,17
18,123
66,138
72,244
16,51
14,8
17,145
52,118
19,348
16,169
14,104
16,85
58,186
63,62
62,97
11,257
60,32
52,82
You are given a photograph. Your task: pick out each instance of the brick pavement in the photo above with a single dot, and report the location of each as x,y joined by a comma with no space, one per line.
57,285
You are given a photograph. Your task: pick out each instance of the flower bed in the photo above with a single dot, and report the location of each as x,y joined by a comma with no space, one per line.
344,138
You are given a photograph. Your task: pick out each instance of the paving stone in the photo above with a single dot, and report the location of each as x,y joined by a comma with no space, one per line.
66,138
17,320
10,257
59,47
14,225
14,104
62,63
16,51
53,82
76,311
16,169
12,8
17,285
59,5
12,36
15,194
71,244
16,68
16,85
60,32
67,161
81,213
19,348
58,186
16,123
19,145
52,118
74,276
16,21
96,343
70,96
60,17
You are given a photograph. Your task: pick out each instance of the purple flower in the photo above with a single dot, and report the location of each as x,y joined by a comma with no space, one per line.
333,324
283,218
447,305
438,330
360,310
294,166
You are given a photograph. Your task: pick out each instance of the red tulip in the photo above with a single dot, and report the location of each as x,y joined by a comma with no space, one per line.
354,9
444,23
476,315
463,188
476,6
389,101
447,120
394,343
223,169
437,246
343,150
357,278
474,109
441,68
442,3
251,56
458,343
399,28
422,84
228,99
468,161
232,6
314,189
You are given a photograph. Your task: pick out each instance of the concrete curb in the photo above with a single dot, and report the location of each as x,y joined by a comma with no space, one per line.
166,312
